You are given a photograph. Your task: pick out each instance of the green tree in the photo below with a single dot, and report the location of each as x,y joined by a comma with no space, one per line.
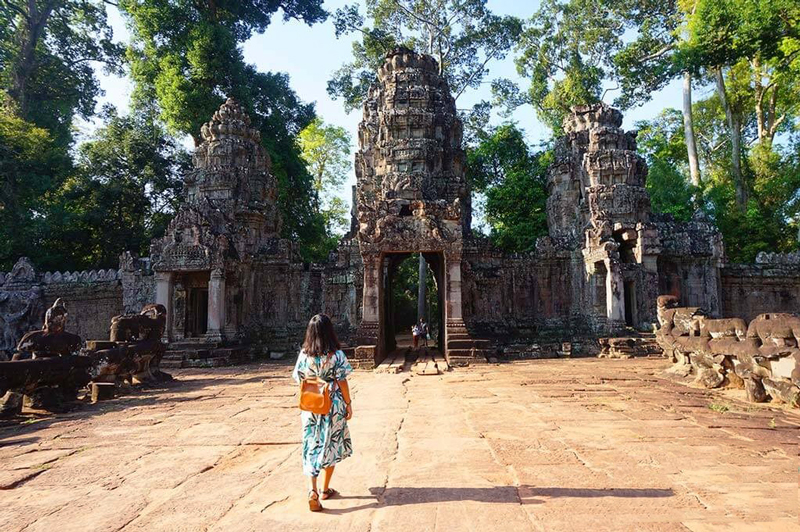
750,50
31,164
662,143
122,194
771,219
502,167
326,151
463,35
186,56
572,50
46,52
47,48
564,51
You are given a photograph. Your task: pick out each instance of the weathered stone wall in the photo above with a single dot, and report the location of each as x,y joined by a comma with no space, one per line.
91,305
343,287
92,298
138,283
509,296
689,262
761,356
772,284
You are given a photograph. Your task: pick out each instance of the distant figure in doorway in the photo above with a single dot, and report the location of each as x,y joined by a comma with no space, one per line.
326,438
420,331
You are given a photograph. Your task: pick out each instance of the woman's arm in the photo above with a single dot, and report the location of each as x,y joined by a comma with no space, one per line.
345,387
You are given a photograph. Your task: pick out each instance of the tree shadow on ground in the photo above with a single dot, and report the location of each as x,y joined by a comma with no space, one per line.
497,494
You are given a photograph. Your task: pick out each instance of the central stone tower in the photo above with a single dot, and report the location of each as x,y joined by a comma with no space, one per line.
411,193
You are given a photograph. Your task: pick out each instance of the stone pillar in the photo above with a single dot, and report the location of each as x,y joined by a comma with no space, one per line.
422,289
370,314
615,302
371,295
453,295
164,282
216,305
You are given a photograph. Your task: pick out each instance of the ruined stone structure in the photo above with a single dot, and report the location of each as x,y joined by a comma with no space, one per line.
94,296
763,357
222,271
228,217
232,288
412,196
50,365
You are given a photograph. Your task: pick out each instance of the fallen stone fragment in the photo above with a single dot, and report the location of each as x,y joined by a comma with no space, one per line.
783,391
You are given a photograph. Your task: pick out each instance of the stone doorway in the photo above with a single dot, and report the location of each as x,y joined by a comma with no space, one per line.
397,317
630,303
196,319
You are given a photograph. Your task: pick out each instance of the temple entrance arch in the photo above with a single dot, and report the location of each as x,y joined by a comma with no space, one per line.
392,320
412,196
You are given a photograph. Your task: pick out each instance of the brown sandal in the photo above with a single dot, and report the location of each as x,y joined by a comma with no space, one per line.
313,501
329,493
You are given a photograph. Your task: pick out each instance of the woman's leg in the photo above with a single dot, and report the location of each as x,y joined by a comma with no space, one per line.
326,479
314,503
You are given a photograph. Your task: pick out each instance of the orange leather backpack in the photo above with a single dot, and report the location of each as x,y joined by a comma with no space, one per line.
315,394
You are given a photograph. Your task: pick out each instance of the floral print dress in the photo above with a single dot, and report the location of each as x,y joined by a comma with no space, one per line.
326,438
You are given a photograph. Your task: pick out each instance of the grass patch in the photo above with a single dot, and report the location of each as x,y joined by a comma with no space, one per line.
719,407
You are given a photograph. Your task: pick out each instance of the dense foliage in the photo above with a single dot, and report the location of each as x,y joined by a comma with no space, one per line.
731,153
125,186
501,167
71,203
187,57
463,36
46,80
31,165
326,151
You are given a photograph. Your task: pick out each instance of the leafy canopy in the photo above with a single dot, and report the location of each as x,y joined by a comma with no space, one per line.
187,57
463,35
326,151
31,164
513,180
46,53
122,194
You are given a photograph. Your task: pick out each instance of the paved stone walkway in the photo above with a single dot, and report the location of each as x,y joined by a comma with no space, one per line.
550,445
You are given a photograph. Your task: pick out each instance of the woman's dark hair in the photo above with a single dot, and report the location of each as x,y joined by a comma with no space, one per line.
320,337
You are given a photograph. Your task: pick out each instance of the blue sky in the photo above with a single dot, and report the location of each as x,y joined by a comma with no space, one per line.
310,54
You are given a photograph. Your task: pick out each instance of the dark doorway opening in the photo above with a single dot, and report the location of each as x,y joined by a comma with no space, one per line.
630,303
401,300
196,304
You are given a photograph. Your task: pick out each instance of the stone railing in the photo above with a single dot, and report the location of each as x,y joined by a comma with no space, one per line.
762,356
90,276
778,258
24,273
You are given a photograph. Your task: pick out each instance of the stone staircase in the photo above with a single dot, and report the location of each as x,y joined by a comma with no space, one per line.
201,354
464,350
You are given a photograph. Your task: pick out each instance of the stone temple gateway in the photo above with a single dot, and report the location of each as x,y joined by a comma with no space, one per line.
233,288
412,196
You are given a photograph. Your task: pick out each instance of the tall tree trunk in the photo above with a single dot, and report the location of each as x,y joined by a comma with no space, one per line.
735,132
423,285
688,130
33,28
755,64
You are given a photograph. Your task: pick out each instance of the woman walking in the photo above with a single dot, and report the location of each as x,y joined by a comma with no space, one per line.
326,438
